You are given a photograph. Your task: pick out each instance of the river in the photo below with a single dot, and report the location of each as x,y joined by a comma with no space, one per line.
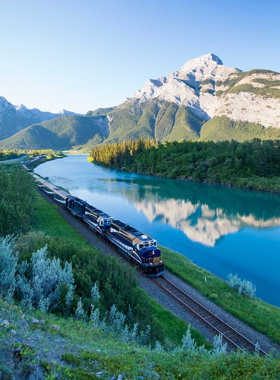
222,229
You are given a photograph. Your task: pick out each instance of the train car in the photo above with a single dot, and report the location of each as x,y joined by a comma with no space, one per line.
76,206
57,194
97,220
137,246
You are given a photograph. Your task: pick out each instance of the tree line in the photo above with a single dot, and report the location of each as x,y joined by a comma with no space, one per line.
249,164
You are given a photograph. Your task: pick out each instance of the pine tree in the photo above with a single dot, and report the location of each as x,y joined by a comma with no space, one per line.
218,347
188,343
95,295
80,313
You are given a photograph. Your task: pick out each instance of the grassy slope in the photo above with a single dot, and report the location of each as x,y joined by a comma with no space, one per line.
222,129
75,350
53,224
262,316
60,133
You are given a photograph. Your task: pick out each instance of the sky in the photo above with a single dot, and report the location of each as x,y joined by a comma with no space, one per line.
86,54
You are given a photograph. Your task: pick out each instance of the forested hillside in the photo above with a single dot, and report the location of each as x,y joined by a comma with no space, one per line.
59,134
253,164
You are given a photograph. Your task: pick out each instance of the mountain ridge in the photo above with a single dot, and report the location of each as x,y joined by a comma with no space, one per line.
14,118
227,102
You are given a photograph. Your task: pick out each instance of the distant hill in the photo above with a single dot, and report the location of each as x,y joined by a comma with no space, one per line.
15,118
59,134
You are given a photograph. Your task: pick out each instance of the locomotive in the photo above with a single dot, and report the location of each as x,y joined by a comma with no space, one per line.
136,246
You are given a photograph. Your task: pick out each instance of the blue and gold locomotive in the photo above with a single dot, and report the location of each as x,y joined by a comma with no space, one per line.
136,246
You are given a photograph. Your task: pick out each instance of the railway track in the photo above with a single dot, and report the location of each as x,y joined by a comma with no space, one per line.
230,335
235,339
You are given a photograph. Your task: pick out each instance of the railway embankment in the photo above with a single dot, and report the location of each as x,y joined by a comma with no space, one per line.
214,288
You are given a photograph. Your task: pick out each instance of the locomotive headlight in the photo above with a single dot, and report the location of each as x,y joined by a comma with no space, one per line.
153,252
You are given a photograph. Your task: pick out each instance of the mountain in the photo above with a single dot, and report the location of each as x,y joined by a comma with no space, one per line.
15,118
203,100
60,133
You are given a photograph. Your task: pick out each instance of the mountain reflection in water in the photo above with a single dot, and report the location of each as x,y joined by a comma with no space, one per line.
205,216
222,229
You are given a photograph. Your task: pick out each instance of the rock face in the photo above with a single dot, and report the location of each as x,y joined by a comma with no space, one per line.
188,85
210,89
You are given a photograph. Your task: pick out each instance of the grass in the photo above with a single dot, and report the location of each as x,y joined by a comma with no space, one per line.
52,223
75,350
258,314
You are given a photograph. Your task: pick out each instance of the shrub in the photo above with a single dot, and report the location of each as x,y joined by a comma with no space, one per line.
8,264
242,287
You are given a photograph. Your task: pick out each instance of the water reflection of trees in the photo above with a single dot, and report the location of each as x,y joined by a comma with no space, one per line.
205,213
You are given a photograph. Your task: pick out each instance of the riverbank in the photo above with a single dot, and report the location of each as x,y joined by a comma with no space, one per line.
49,157
249,165
261,316
269,185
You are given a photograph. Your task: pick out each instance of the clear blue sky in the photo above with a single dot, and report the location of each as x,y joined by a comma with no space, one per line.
81,55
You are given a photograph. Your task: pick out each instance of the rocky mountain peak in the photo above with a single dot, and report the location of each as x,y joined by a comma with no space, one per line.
202,61
183,86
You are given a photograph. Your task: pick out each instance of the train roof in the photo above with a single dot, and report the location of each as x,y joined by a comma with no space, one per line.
131,230
97,211
52,187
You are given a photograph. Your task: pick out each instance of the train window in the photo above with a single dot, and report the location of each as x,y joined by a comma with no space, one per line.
141,246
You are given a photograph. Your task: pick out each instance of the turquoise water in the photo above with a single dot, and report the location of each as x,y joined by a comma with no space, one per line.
221,229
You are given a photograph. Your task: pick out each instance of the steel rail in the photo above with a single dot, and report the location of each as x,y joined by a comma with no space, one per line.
210,313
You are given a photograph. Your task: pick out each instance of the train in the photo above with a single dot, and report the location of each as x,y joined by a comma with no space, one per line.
138,247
